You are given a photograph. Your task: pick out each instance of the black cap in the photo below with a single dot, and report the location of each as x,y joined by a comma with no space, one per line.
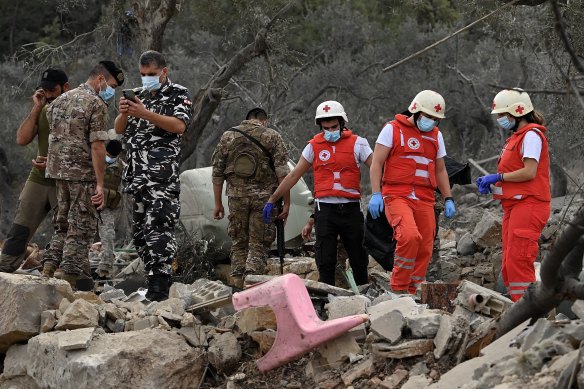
114,71
114,147
52,77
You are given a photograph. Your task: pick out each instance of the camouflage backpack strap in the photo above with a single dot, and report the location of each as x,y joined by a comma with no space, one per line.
258,144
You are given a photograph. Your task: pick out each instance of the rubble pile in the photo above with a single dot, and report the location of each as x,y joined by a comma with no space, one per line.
52,337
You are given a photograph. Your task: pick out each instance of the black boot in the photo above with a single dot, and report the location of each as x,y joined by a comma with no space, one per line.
158,286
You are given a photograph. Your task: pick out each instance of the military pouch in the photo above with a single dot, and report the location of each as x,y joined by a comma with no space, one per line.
112,198
245,165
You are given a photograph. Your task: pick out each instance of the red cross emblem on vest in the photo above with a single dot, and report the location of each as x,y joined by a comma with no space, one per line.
438,108
520,110
326,108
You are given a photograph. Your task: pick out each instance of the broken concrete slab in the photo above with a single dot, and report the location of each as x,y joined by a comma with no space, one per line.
403,304
225,352
312,286
388,325
255,319
463,373
407,349
166,361
360,370
195,335
23,300
338,307
145,323
487,232
480,299
110,293
337,351
424,323
416,382
79,314
76,339
443,336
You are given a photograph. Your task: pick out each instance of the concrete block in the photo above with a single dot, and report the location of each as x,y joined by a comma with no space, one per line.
145,323
79,314
75,339
337,351
487,232
423,324
388,325
443,336
346,306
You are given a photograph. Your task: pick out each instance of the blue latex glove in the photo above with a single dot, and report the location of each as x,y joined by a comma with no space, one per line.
267,213
484,182
376,205
449,209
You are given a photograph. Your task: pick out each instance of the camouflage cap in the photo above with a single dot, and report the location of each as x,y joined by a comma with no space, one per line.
114,70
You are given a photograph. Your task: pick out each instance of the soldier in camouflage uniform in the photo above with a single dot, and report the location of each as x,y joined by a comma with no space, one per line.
153,125
114,167
76,160
38,196
251,179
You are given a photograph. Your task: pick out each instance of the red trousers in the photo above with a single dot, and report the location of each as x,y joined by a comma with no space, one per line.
414,225
523,221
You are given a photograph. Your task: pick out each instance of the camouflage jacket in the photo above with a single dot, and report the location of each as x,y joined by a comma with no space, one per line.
232,143
76,119
152,153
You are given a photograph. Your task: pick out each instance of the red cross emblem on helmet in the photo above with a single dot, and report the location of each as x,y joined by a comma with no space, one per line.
438,108
414,106
326,108
520,110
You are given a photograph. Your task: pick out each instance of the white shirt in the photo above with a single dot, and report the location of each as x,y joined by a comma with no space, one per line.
385,138
531,146
361,150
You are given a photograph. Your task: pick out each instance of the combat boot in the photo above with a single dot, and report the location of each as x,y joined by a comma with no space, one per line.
158,286
79,282
49,270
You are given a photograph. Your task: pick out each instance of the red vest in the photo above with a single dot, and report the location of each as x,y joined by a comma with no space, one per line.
335,166
512,160
411,165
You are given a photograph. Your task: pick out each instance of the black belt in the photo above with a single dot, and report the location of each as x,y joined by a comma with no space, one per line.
352,204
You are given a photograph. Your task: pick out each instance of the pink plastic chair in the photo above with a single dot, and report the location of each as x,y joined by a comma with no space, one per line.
299,328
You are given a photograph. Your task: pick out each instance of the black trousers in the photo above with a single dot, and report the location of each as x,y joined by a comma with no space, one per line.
344,220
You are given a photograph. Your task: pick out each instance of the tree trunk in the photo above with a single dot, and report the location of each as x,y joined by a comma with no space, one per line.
152,17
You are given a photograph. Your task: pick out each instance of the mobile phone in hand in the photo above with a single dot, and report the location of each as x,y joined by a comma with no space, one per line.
129,95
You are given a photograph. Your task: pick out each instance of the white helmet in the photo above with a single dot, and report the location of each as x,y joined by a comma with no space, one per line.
429,102
330,109
513,101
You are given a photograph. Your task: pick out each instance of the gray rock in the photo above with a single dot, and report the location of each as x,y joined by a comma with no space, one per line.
337,351
256,319
79,314
466,245
407,349
76,339
443,336
15,361
487,232
395,379
225,353
23,300
416,382
111,294
361,369
196,336
138,359
145,323
48,320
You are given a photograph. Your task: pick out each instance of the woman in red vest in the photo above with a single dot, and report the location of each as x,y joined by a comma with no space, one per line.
408,166
523,186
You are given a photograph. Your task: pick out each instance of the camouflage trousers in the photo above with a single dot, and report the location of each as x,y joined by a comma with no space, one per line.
75,224
154,236
34,203
251,239
107,235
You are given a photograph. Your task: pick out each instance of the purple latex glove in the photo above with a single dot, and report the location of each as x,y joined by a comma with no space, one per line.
484,182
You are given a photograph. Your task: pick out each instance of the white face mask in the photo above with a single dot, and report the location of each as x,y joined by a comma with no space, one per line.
109,160
151,83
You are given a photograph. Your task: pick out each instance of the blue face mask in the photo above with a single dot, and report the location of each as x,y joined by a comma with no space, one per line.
425,124
332,136
151,83
109,160
106,94
505,123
